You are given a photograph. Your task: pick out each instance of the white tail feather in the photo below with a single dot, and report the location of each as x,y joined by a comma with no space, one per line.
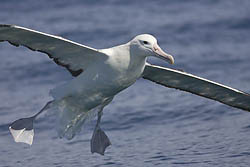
71,119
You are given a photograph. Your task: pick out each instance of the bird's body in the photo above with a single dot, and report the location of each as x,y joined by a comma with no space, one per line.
96,86
100,75
118,71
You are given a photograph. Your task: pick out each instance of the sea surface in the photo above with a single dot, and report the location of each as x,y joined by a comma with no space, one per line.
148,124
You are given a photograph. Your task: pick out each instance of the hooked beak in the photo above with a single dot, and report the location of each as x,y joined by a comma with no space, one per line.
161,54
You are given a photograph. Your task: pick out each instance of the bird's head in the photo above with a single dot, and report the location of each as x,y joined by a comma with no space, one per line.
146,45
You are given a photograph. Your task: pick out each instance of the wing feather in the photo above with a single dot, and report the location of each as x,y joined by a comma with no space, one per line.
190,83
71,55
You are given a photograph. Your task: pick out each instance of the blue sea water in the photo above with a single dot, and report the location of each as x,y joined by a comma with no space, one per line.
149,125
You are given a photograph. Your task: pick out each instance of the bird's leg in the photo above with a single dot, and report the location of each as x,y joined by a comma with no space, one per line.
22,129
100,140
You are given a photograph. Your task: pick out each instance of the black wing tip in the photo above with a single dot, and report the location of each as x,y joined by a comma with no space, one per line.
7,25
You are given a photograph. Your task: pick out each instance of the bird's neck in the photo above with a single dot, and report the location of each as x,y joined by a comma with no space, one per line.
123,60
131,61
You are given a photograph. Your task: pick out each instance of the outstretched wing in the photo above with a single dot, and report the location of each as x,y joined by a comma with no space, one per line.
197,85
75,57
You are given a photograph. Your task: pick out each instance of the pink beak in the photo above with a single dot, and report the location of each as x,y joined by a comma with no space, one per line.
162,55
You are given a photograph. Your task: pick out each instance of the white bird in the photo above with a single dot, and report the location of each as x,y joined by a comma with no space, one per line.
100,75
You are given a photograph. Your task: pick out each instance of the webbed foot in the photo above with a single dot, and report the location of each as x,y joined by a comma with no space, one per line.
99,141
22,130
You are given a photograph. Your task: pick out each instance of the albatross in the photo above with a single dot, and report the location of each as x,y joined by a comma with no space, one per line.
100,74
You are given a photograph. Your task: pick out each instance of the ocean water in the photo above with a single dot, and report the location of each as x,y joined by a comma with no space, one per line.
149,125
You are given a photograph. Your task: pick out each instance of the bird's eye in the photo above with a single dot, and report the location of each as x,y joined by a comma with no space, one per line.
145,42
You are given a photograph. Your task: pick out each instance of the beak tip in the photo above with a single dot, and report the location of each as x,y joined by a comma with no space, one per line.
172,62
171,59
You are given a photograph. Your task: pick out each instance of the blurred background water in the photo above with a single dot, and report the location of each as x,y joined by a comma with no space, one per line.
149,125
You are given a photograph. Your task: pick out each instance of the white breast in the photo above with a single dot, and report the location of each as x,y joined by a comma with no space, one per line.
124,67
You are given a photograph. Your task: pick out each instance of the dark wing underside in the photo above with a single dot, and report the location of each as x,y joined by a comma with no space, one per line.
71,55
197,85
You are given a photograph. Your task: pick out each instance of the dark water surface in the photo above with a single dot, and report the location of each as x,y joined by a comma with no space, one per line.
148,125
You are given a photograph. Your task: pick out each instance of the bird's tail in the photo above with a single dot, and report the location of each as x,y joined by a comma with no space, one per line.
71,119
